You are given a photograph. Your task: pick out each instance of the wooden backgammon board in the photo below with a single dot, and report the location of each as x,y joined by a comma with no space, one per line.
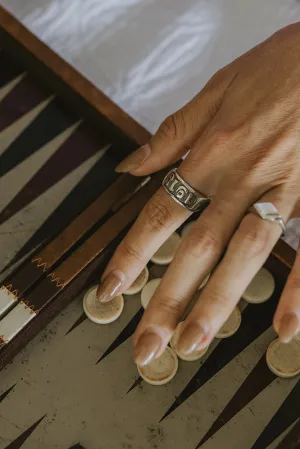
65,381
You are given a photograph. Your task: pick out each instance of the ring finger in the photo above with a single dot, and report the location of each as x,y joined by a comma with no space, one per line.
246,253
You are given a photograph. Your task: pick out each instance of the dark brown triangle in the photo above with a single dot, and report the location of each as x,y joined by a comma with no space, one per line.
6,393
49,123
80,144
18,442
292,439
79,320
81,196
135,384
286,415
9,69
21,99
126,333
258,379
77,446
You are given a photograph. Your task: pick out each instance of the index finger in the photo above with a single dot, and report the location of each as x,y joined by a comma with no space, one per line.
158,220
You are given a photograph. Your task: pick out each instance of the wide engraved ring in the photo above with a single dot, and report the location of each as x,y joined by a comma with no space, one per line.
183,193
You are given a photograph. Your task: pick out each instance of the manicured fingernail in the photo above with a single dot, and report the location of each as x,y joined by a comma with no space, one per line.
147,347
190,338
109,287
288,328
134,160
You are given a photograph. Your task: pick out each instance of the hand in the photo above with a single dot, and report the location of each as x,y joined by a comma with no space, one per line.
243,129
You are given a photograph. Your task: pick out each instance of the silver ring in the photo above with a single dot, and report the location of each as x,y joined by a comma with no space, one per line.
267,211
183,193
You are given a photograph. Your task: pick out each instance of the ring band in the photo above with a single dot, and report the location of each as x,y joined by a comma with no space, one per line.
267,211
183,193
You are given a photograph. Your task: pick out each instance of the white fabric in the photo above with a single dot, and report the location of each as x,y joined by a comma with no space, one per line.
152,56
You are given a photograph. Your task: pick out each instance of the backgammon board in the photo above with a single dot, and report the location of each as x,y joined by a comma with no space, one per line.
65,381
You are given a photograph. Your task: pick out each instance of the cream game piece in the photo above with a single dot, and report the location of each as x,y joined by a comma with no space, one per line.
283,359
195,355
165,254
102,313
139,283
231,325
161,370
261,288
148,291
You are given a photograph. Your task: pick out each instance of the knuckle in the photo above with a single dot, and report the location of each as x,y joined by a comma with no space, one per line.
221,301
132,253
215,306
173,127
250,180
202,242
254,237
195,159
217,78
168,305
225,135
158,215
232,130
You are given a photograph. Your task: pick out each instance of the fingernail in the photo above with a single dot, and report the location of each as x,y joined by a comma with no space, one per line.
147,347
289,327
134,160
190,338
109,287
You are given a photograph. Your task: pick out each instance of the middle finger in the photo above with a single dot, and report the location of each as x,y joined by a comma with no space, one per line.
197,255
161,216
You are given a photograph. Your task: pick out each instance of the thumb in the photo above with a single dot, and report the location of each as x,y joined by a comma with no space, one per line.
177,133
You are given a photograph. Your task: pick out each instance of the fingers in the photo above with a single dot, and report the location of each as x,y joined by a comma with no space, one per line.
158,220
248,250
287,316
198,254
178,132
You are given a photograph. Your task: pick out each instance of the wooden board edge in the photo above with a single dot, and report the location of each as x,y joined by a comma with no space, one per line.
90,274
73,78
